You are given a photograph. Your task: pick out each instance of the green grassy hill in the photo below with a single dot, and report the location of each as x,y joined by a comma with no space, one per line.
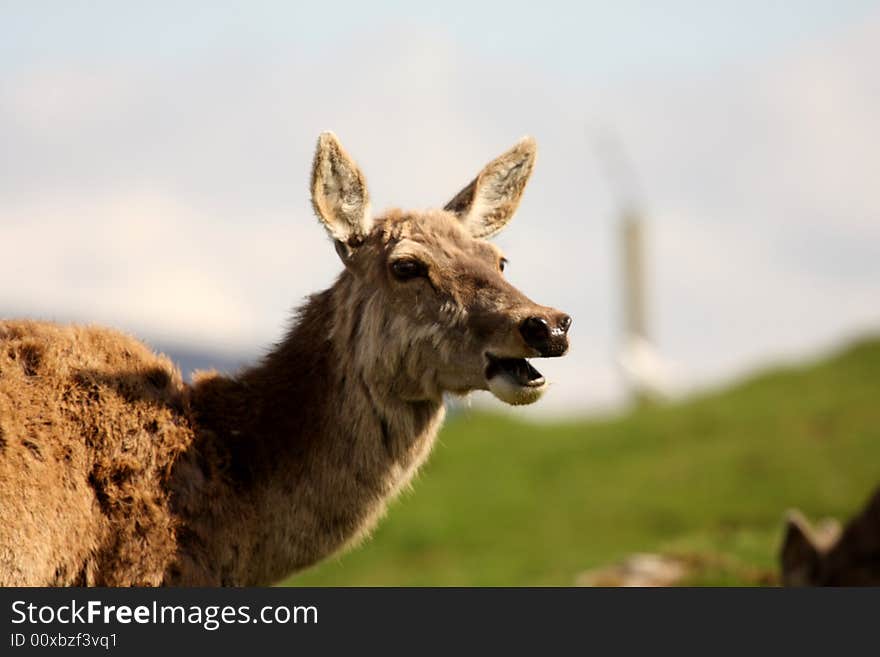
507,503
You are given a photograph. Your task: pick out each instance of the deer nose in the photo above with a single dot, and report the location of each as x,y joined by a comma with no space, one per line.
564,323
547,340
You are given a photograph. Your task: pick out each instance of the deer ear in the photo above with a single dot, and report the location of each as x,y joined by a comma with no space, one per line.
800,556
490,200
339,195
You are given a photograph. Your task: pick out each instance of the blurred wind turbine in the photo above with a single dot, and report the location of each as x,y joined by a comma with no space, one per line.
646,374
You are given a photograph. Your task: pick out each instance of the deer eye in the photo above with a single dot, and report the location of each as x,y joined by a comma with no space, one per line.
502,264
404,270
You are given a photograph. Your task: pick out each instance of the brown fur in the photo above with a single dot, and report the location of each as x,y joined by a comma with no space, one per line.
113,471
833,558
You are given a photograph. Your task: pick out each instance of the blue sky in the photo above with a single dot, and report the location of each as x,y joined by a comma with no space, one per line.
158,156
587,40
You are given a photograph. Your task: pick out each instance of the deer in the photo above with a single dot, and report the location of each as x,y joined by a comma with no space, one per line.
114,471
828,556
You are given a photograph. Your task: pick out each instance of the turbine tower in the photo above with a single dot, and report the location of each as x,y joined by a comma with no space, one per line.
644,372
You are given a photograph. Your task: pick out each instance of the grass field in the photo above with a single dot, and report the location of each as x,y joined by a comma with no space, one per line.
507,503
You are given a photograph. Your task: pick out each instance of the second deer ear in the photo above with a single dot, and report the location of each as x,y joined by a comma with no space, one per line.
800,556
490,200
339,195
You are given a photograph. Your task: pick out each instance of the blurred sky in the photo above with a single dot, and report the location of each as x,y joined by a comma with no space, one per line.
154,162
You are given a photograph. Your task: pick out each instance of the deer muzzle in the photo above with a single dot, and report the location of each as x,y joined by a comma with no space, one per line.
515,380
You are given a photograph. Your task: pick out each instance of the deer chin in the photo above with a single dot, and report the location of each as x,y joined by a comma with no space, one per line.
514,381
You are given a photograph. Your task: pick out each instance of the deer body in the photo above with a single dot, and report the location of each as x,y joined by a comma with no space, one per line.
113,471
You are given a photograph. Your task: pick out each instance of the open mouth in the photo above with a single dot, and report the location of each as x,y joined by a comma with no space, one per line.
514,380
519,370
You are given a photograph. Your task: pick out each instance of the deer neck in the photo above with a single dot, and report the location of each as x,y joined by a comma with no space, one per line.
301,453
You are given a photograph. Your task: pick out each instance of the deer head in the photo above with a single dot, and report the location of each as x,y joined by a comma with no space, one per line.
827,555
427,307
